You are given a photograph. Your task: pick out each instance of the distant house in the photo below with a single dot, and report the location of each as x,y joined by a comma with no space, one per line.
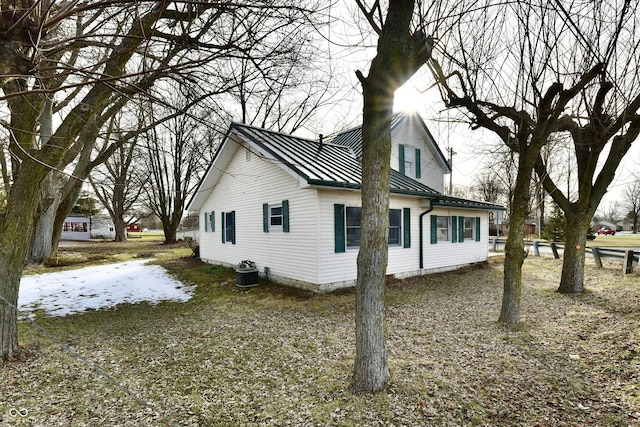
292,206
76,228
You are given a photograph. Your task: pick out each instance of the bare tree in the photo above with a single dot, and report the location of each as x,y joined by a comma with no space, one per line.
118,183
174,162
401,52
85,58
535,70
631,201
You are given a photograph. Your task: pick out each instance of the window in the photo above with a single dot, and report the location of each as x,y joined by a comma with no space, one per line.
75,226
352,225
409,161
228,227
443,228
461,228
209,221
469,224
395,216
275,216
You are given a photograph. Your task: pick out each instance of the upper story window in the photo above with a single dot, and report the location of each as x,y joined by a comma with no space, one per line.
409,161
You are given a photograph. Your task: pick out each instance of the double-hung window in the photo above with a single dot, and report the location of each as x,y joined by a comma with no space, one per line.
348,221
409,164
469,225
354,215
275,216
457,229
443,228
229,227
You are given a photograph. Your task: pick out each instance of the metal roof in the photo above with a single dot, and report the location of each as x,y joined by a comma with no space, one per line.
331,164
322,164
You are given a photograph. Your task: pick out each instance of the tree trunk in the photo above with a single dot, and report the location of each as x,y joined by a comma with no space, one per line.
371,370
15,242
400,54
120,227
575,240
514,248
42,245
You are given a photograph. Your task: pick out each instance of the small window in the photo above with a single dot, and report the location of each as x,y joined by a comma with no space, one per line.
229,227
395,218
443,228
408,161
469,224
353,226
275,215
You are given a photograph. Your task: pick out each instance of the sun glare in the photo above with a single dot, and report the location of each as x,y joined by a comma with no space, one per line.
407,98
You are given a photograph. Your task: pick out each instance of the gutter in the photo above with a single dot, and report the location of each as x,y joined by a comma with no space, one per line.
433,204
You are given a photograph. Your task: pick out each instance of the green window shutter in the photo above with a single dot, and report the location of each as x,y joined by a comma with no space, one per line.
454,229
212,216
206,222
401,158
477,229
285,216
461,229
418,172
233,227
265,217
434,229
406,227
224,228
339,228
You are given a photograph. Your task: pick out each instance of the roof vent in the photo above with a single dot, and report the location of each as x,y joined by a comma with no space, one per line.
320,137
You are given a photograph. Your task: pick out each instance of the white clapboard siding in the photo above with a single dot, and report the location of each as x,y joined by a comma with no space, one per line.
445,254
342,267
411,134
245,186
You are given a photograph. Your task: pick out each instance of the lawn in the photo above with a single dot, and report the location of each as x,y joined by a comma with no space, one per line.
275,356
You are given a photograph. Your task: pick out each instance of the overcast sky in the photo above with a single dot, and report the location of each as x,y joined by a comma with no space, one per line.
469,145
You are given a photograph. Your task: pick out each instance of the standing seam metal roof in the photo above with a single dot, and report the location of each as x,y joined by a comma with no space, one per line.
336,165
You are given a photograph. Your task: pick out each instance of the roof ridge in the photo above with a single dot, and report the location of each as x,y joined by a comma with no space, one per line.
288,135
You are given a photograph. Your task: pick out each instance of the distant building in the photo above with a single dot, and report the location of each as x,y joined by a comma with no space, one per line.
76,228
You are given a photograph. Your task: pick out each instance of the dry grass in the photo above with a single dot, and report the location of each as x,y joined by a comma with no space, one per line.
278,356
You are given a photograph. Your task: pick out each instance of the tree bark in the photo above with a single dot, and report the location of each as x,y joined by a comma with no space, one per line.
42,245
575,240
399,56
371,370
514,247
15,242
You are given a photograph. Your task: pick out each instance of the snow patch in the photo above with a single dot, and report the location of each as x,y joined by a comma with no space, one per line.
104,286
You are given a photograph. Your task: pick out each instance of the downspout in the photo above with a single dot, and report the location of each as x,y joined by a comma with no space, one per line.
432,204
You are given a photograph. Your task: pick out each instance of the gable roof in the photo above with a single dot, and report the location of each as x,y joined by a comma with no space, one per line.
352,138
314,164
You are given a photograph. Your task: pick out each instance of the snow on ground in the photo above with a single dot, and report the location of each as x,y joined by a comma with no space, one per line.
104,286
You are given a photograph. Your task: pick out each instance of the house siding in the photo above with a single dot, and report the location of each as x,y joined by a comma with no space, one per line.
340,269
445,255
244,188
431,170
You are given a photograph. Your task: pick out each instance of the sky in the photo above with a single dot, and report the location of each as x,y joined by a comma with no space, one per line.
99,287
354,50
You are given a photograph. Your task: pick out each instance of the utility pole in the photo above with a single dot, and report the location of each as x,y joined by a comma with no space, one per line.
451,154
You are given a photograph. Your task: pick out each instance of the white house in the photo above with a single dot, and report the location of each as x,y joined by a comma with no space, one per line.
76,228
292,206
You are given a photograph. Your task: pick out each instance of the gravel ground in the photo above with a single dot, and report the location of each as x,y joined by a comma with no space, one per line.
272,356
